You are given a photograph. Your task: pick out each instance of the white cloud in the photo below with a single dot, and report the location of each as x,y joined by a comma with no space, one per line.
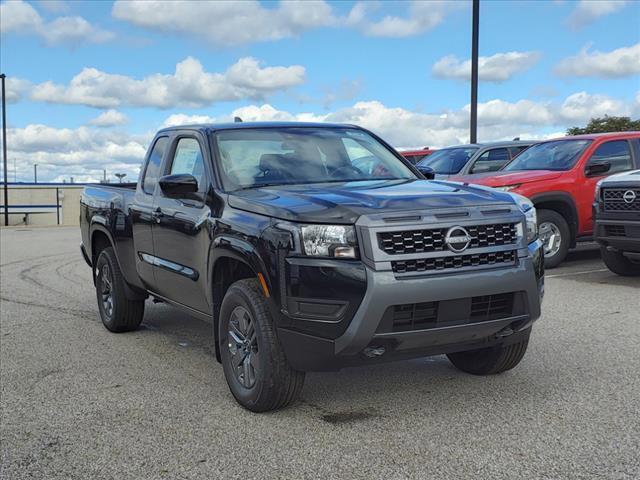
83,152
587,11
582,106
497,119
621,62
16,88
236,23
421,17
109,118
184,119
226,23
17,16
189,86
496,68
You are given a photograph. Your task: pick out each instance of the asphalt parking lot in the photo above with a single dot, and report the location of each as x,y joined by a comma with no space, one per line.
79,402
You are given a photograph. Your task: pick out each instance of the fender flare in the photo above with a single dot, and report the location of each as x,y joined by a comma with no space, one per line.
99,224
228,246
565,198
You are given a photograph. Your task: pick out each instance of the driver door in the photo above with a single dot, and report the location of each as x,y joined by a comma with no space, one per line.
616,153
181,235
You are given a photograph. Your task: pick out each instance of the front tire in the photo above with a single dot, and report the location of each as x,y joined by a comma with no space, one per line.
118,313
618,263
555,235
254,364
491,360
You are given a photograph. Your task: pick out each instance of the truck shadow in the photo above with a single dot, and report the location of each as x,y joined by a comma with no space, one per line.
425,386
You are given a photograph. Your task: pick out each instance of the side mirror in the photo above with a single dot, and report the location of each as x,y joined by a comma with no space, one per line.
179,185
597,168
427,172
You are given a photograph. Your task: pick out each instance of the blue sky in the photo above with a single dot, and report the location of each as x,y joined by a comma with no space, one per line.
397,68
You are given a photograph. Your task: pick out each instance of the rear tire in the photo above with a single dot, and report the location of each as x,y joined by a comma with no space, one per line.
255,367
555,234
492,360
118,313
618,263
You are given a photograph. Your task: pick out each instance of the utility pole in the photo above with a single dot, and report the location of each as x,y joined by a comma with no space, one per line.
473,134
4,152
35,173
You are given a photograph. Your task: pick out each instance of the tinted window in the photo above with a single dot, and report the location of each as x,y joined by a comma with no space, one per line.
254,157
554,155
414,159
617,153
515,151
491,160
152,171
449,160
188,159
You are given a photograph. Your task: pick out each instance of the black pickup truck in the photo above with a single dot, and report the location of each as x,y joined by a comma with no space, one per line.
314,247
616,211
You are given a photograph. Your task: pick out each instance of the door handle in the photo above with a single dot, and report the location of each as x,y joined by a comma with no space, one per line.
157,214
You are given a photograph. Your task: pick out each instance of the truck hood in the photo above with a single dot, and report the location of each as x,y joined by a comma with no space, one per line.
500,179
343,203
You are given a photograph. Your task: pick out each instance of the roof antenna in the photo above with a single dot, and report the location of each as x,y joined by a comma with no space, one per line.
237,120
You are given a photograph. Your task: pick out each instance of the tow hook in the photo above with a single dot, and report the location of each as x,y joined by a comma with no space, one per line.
372,352
505,332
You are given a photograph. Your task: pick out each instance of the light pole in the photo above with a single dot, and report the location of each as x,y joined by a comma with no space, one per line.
473,127
4,152
120,176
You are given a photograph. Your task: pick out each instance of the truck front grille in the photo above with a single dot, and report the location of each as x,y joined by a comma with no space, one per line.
614,200
460,311
432,240
459,261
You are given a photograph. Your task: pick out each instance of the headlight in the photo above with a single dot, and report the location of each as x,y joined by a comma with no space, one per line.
507,188
329,241
530,215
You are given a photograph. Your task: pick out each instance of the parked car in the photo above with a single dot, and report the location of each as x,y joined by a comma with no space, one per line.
414,156
473,158
303,262
560,176
617,213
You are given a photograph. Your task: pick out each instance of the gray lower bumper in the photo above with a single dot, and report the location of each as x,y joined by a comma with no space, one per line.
385,289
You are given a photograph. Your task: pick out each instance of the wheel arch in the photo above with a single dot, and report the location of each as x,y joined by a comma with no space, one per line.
562,203
233,259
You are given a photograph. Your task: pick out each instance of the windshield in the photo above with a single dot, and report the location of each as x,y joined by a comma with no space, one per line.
449,160
556,155
252,158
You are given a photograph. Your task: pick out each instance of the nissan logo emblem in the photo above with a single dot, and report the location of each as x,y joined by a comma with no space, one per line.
457,239
629,196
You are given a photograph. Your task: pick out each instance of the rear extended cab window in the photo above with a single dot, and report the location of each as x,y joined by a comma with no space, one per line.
151,173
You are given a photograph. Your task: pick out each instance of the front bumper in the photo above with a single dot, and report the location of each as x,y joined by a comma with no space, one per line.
365,341
620,234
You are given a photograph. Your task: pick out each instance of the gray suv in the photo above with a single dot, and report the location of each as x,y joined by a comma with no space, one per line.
473,158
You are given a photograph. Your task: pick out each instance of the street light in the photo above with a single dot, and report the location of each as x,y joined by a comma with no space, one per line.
120,176
473,127
4,152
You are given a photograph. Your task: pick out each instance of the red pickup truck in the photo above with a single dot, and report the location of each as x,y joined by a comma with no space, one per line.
560,177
